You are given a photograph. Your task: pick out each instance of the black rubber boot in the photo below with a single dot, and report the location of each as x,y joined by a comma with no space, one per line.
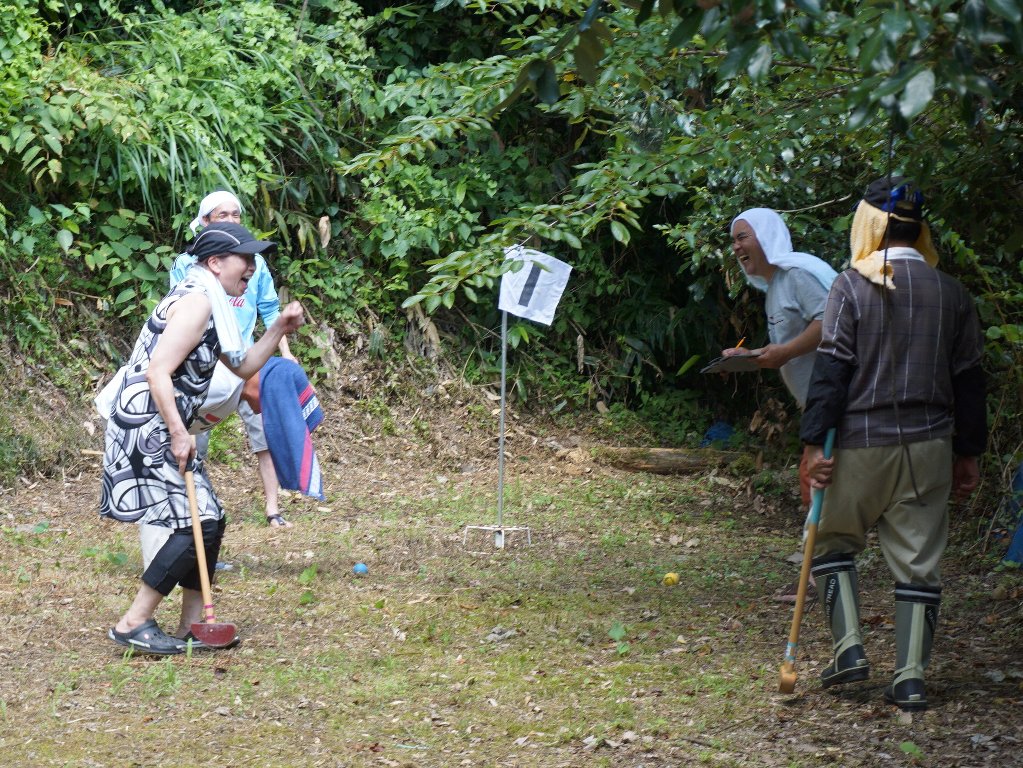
838,592
916,616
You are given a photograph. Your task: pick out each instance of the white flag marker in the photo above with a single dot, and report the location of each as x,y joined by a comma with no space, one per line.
533,292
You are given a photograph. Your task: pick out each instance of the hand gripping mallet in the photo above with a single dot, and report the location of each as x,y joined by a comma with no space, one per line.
209,630
787,676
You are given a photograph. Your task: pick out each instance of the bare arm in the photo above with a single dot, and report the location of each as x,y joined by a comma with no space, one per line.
286,350
776,355
290,319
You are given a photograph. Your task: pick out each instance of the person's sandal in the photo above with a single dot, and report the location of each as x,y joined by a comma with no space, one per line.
148,638
278,521
788,594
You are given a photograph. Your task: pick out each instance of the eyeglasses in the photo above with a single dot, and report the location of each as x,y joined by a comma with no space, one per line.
234,215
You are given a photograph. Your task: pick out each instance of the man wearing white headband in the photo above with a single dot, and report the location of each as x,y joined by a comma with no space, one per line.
260,299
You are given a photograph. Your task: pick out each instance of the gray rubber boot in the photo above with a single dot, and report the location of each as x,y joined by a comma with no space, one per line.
838,591
916,616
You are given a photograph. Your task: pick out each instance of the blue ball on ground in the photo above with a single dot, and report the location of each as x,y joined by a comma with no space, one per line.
360,569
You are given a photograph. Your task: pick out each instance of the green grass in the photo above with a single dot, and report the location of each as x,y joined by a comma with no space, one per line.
598,663
228,446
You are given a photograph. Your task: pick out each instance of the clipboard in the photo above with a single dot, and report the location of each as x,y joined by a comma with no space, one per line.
741,363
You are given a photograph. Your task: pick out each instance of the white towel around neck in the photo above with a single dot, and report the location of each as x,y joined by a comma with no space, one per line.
224,319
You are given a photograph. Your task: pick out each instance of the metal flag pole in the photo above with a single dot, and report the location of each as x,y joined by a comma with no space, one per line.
499,533
500,529
531,290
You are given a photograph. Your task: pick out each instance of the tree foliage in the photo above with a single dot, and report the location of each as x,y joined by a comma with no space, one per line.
675,120
119,121
620,136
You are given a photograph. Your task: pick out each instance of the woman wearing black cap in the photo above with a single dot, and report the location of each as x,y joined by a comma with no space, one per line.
148,445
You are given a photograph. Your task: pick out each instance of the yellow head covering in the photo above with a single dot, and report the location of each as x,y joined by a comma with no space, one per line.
866,237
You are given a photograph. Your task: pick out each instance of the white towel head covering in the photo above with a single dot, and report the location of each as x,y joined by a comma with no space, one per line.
210,203
774,238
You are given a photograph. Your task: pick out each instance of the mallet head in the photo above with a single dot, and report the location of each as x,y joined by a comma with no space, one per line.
219,635
787,678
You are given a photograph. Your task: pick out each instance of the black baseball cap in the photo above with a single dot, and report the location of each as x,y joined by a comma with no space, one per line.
898,196
227,237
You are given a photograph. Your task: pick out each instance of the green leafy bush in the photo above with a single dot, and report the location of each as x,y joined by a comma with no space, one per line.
395,151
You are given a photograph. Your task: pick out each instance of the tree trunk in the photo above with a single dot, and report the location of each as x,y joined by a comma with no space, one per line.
664,461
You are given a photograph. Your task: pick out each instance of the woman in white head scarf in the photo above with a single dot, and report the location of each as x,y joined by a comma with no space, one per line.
797,286
217,206
260,302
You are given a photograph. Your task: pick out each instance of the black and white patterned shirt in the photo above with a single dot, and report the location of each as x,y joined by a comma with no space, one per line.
141,482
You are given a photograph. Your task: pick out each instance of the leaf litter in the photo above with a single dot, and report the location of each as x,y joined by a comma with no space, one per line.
443,657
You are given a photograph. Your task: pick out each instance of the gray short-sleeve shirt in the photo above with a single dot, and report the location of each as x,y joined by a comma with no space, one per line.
795,298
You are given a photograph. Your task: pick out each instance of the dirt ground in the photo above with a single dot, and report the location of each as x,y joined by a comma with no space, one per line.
568,652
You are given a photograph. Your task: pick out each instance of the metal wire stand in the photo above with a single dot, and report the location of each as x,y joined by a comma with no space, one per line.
500,530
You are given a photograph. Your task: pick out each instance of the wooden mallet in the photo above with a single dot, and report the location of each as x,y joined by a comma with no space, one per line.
787,676
209,631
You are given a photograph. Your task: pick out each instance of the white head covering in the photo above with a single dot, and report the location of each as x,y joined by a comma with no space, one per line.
774,238
210,203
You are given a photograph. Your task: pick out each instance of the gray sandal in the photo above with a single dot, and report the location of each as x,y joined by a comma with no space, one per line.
148,638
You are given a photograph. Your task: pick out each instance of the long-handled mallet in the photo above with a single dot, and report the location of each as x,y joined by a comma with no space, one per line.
209,630
787,676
